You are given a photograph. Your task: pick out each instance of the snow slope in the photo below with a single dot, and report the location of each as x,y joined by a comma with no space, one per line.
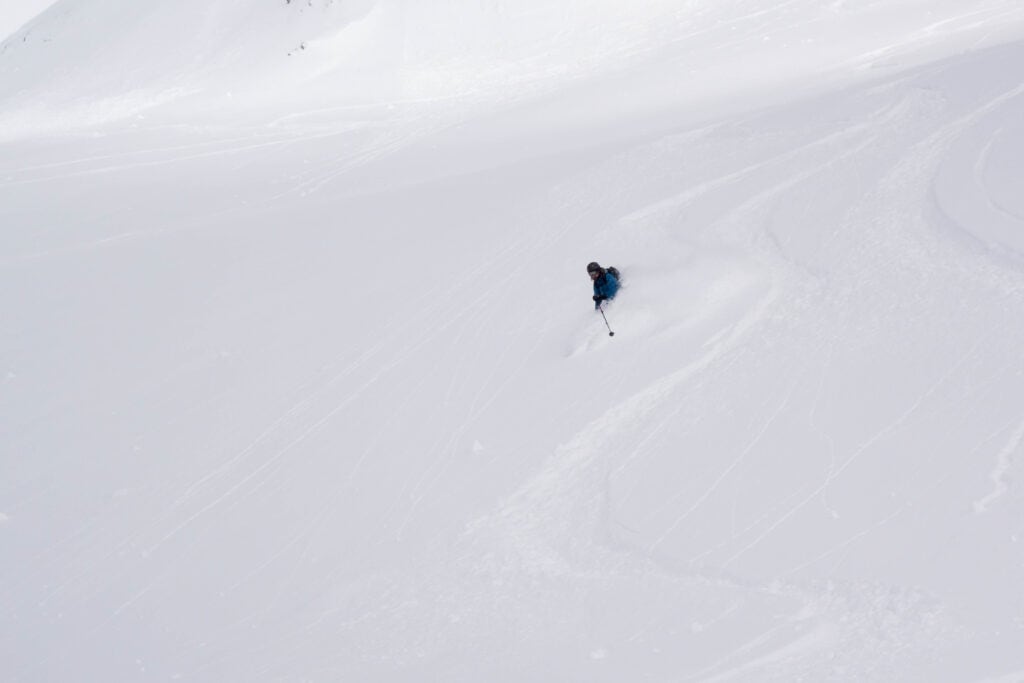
90,61
14,15
304,384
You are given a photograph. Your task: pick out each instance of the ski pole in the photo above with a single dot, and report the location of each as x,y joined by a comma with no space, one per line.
601,308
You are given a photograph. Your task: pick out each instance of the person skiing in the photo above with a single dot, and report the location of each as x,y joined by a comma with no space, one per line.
606,282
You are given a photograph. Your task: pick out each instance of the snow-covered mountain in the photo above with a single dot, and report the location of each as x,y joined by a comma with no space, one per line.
14,15
88,61
301,379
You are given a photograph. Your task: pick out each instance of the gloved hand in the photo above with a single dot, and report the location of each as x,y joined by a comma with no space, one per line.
598,298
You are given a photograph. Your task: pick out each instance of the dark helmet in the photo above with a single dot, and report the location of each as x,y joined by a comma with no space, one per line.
593,267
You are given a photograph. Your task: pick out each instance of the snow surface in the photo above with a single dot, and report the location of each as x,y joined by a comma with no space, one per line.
301,380
14,14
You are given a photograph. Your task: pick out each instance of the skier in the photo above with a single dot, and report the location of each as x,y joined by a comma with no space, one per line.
606,282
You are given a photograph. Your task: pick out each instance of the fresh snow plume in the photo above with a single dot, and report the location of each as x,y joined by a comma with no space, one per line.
301,379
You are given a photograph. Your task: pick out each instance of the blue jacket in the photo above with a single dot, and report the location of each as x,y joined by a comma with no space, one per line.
605,286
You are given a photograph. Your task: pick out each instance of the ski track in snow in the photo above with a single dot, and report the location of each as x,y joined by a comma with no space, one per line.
725,472
1005,459
546,485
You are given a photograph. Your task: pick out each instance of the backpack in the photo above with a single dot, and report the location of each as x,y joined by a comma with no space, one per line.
615,272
